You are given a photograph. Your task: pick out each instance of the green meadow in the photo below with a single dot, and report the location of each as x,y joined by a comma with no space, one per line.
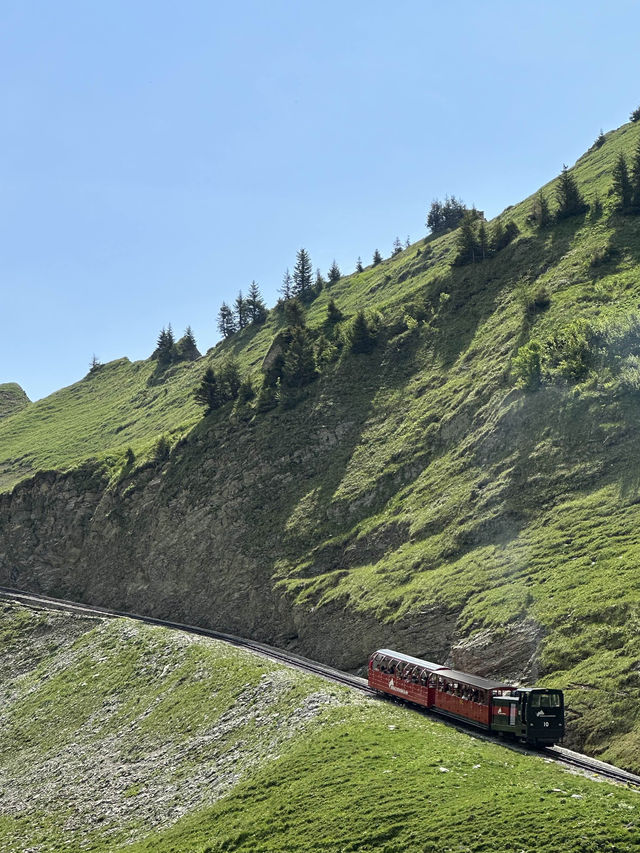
122,737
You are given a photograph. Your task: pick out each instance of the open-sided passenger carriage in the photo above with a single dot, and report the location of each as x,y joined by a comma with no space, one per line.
532,714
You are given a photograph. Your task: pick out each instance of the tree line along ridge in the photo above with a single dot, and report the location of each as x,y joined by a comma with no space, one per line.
299,354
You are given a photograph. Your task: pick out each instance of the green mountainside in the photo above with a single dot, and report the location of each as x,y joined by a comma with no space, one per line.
469,490
122,737
12,399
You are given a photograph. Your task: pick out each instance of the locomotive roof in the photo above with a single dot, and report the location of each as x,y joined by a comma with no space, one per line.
473,680
389,653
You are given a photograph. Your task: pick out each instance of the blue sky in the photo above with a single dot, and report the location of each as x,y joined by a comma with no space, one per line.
155,157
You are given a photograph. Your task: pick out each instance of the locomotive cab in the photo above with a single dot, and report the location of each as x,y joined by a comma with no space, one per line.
535,715
543,714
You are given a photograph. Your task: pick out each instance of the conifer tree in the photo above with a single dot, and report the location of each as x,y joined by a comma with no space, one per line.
186,348
497,235
362,336
407,242
319,282
229,380
286,289
302,273
256,309
445,216
299,366
359,267
207,394
501,235
435,217
540,214
334,314
635,179
226,321
397,247
334,273
635,115
294,312
377,258
241,312
164,351
570,201
467,242
622,186
483,241
189,337
601,139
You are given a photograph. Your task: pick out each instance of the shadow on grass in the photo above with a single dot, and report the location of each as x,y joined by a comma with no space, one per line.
475,289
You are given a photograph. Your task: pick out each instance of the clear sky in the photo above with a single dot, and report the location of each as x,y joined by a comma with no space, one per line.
155,157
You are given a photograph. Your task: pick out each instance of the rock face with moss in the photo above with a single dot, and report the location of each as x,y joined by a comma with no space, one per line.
468,490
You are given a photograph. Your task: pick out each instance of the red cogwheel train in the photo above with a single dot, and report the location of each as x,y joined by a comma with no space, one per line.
531,714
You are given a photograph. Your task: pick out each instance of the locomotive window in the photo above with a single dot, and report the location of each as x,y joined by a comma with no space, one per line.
545,700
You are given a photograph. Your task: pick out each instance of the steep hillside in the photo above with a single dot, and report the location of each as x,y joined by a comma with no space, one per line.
416,496
12,399
122,737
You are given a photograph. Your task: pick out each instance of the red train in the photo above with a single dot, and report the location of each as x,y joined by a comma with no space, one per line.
532,714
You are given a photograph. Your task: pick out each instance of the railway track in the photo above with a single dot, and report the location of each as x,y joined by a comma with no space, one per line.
573,760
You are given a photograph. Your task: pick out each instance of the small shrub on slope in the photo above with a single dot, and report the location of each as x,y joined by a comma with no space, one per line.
527,366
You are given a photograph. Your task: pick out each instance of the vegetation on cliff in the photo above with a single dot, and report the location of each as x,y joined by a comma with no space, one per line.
476,467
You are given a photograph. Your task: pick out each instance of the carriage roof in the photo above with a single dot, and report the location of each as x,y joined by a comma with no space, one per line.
473,680
389,653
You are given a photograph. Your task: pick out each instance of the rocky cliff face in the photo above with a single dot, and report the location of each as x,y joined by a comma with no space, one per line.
195,540
202,538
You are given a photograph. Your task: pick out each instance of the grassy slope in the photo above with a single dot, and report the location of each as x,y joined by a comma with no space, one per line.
12,399
117,736
507,504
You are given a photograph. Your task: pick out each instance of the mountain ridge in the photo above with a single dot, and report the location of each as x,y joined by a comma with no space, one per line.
413,496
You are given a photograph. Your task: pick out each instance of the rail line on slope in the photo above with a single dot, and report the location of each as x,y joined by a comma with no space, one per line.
558,754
